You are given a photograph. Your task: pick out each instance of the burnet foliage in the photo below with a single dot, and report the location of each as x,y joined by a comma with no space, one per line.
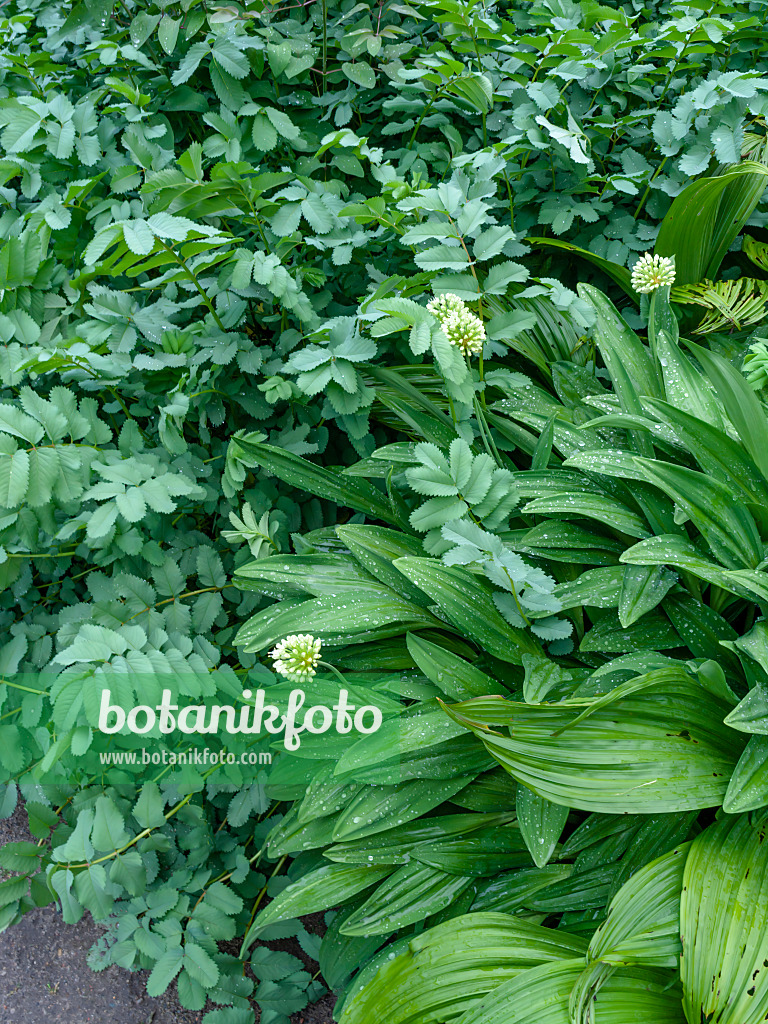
226,222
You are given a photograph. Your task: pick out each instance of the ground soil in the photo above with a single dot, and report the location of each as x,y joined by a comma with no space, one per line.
44,976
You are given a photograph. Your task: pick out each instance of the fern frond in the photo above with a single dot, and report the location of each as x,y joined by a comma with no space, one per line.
729,304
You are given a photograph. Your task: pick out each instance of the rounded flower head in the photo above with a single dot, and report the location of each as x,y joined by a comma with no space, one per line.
442,305
652,272
460,325
465,331
297,657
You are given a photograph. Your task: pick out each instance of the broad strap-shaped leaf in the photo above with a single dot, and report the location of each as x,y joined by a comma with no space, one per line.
327,886
673,550
455,676
467,603
395,845
748,788
347,619
290,576
727,526
376,547
685,386
654,744
348,491
376,807
751,713
653,631
339,954
706,633
417,728
724,923
643,922
706,217
511,890
627,358
643,587
543,995
447,970
716,452
601,507
541,824
740,402
595,588
413,892
483,853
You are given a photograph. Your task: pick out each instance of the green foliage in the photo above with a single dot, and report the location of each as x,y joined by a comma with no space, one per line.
648,540
222,227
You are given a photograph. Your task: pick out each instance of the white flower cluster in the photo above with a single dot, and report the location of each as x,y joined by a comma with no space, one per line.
297,657
460,325
652,272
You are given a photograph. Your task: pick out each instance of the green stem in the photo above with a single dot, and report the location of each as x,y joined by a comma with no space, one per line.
325,41
485,433
27,689
335,671
141,835
648,187
263,893
42,554
180,263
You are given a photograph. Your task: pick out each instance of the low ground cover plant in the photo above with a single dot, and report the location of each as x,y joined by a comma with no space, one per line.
423,346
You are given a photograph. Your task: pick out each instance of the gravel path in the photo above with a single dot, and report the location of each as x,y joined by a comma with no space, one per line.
44,976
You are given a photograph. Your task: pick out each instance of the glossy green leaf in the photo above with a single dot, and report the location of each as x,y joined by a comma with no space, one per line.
685,386
327,886
724,923
748,788
290,576
643,588
716,452
375,548
339,954
673,550
595,588
514,889
633,996
591,506
728,527
395,845
416,729
413,892
662,748
376,808
706,217
651,632
541,824
345,491
486,852
455,677
741,405
643,922
448,969
348,618
628,360
467,603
